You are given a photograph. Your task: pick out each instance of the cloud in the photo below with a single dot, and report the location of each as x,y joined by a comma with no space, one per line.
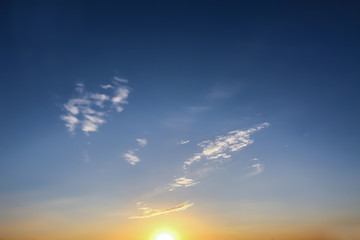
198,109
120,96
107,86
131,157
79,87
142,141
257,169
89,110
221,148
213,154
71,122
181,182
148,212
184,141
120,80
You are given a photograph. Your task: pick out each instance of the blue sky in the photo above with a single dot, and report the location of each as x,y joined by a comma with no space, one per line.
153,85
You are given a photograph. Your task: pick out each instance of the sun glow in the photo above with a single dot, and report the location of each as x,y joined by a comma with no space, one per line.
164,236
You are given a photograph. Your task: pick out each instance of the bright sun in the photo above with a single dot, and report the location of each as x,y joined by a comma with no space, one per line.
164,236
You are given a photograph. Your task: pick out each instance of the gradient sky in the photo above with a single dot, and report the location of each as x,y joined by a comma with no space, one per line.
209,119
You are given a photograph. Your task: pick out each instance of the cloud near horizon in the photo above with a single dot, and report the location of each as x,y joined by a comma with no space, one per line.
148,212
89,110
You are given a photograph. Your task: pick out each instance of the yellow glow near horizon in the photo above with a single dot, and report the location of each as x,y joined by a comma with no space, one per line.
164,236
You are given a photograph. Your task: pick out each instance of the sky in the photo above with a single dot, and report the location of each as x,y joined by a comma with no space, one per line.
207,119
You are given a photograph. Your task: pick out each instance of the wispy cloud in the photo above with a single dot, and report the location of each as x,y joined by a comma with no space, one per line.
183,182
221,93
131,157
119,80
184,141
142,141
89,110
222,147
213,154
257,169
148,212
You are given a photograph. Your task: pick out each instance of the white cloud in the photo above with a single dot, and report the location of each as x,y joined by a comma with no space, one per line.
131,157
88,126
91,109
181,182
149,212
99,99
121,95
142,141
71,122
223,146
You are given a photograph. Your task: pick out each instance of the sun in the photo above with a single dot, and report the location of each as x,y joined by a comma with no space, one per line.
164,236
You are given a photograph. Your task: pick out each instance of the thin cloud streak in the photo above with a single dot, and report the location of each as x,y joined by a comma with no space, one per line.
148,212
142,141
184,141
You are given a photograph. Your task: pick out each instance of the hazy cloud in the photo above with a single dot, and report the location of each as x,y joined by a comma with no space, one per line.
221,93
257,169
89,110
107,86
79,87
148,212
198,109
131,157
142,141
120,80
184,141
86,156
